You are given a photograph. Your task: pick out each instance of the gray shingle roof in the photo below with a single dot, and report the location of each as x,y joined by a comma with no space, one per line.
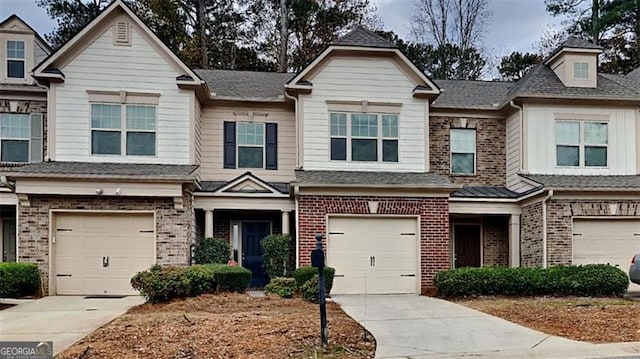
618,183
634,75
363,37
575,42
485,192
486,95
123,170
542,82
246,84
354,178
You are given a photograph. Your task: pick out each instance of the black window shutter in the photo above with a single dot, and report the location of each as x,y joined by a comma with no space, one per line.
229,145
272,146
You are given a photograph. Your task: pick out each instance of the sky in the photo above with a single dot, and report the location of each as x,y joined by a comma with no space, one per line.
515,24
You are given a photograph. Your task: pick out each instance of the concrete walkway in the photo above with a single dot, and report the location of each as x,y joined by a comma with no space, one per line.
63,320
411,326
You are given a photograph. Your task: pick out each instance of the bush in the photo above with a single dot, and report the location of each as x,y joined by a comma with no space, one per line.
231,278
212,250
309,290
282,287
201,279
159,284
304,274
277,251
19,280
584,280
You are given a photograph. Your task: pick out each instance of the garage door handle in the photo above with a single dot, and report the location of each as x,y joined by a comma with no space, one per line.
372,261
407,275
63,275
105,262
338,275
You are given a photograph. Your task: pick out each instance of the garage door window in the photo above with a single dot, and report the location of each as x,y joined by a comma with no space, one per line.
364,137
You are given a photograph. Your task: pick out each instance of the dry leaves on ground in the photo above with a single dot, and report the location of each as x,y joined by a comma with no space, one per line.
596,320
225,326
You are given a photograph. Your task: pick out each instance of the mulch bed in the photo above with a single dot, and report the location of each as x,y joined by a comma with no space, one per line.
225,326
596,320
5,306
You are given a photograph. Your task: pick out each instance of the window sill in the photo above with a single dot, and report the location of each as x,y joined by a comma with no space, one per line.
463,174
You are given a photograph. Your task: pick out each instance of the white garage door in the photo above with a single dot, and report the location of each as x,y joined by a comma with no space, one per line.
97,254
606,241
373,255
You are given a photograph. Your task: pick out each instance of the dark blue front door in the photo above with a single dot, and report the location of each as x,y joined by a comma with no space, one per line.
252,254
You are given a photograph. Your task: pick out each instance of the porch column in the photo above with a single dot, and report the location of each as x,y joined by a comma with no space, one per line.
208,223
514,240
285,222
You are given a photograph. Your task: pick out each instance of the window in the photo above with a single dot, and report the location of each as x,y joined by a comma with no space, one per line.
364,137
463,151
250,145
581,70
109,132
581,144
15,59
20,137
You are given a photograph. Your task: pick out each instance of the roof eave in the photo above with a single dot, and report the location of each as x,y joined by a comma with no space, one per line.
443,187
123,178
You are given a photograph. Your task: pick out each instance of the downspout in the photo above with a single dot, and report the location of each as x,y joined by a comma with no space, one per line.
5,181
295,198
520,113
544,229
295,101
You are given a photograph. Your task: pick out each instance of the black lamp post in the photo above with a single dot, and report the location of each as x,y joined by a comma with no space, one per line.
317,260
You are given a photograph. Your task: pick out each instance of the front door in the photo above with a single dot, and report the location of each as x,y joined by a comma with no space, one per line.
252,253
467,245
9,240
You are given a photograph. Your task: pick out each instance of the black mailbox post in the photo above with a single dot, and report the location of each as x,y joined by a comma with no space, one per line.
317,260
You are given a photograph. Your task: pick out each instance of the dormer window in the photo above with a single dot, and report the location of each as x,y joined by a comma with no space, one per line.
15,59
581,70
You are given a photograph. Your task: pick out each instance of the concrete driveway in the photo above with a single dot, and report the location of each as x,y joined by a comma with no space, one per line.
411,326
63,320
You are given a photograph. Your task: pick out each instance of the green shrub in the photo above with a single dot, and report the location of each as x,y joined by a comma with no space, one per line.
309,290
231,278
201,279
584,280
212,250
159,284
303,274
277,255
282,287
19,280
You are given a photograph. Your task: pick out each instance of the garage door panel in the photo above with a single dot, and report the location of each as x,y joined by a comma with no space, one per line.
86,239
606,241
392,243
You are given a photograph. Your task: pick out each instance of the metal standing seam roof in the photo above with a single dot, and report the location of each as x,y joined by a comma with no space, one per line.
622,182
71,169
409,179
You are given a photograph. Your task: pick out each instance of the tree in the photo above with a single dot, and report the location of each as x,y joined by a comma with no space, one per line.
311,25
451,31
514,66
71,16
582,16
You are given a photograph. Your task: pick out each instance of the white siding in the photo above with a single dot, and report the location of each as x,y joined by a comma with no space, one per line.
213,118
197,136
541,147
514,148
373,80
40,53
137,68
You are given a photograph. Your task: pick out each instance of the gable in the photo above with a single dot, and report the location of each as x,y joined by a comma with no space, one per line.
109,23
246,185
420,83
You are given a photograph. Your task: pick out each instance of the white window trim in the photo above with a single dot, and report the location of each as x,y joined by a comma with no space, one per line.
475,153
379,139
581,145
123,130
575,72
28,139
263,146
23,59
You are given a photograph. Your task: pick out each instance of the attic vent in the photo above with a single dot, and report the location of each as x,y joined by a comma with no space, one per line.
122,33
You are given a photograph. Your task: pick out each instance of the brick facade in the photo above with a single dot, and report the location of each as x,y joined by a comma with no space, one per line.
434,226
560,213
531,235
490,149
495,241
173,226
29,107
